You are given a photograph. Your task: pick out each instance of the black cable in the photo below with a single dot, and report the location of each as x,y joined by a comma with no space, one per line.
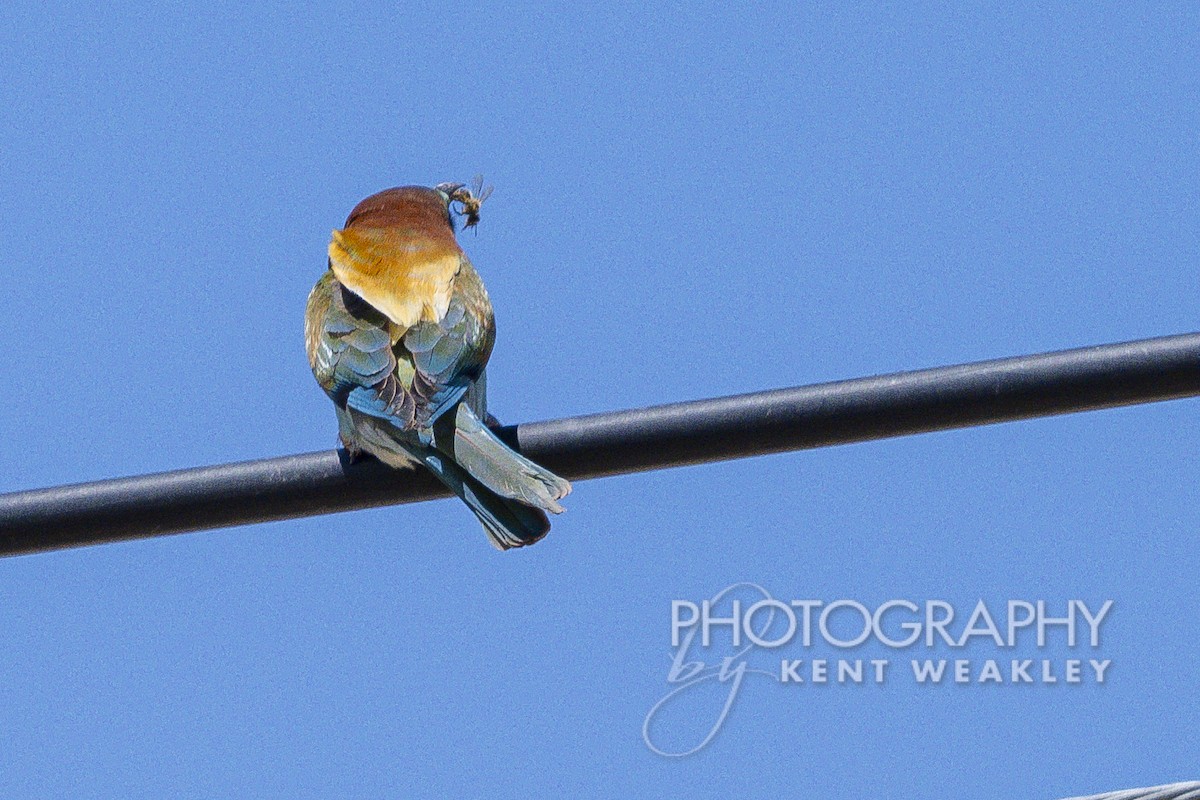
618,442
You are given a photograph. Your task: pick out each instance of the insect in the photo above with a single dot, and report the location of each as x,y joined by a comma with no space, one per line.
471,199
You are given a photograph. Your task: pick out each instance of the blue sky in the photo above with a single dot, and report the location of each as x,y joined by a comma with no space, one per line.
690,201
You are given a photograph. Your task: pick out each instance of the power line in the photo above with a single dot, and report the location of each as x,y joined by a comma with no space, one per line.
1173,791
619,442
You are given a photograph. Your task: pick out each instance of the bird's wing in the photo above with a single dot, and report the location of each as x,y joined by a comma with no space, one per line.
348,343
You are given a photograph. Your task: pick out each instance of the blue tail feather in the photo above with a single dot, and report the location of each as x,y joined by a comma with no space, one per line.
497,466
508,523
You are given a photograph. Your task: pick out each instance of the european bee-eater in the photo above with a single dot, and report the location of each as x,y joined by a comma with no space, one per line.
398,332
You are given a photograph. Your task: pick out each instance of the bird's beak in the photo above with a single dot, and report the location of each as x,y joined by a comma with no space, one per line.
449,189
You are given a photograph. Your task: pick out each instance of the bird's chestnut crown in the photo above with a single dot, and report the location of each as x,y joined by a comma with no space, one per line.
417,207
403,205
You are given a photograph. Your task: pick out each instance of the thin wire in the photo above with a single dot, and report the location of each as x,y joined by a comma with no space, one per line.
1173,791
619,442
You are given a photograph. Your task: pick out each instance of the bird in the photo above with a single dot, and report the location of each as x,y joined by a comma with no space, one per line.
398,332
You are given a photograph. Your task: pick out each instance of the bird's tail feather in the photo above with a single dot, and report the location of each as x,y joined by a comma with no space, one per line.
498,467
508,523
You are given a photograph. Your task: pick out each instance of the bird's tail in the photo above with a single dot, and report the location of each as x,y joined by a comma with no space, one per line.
507,522
508,492
497,466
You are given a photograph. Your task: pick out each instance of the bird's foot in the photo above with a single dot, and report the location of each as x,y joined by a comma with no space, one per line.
353,451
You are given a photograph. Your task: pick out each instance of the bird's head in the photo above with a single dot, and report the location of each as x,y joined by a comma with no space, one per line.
397,252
